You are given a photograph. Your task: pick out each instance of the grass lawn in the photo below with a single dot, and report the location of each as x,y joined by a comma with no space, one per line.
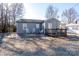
14,44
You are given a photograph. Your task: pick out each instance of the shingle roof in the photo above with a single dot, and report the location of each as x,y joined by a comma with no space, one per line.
29,21
51,19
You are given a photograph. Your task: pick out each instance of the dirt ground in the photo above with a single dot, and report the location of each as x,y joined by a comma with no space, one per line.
15,45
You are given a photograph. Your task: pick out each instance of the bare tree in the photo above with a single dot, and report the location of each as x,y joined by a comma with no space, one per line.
51,12
1,17
6,23
8,13
16,11
70,15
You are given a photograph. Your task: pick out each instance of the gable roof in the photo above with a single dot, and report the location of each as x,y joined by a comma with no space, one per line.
52,19
30,21
72,24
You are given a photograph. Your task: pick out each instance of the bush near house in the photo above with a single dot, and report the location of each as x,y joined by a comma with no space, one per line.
13,28
9,28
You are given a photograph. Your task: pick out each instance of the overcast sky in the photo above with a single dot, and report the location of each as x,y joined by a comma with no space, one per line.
38,10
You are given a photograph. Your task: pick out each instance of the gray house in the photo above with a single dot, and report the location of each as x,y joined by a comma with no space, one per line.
29,26
51,25
36,26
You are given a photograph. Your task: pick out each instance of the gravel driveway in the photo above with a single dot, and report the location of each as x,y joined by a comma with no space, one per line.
15,45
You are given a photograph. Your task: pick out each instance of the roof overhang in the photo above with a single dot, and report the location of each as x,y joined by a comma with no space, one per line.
29,21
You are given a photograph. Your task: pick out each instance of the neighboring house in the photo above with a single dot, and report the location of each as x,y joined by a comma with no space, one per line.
73,28
36,26
29,26
63,25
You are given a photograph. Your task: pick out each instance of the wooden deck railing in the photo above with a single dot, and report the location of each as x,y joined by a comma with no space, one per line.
56,32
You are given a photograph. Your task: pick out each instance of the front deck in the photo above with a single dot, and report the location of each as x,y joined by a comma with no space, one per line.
56,32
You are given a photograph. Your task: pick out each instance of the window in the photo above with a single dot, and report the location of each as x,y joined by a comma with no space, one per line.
37,25
24,26
50,25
